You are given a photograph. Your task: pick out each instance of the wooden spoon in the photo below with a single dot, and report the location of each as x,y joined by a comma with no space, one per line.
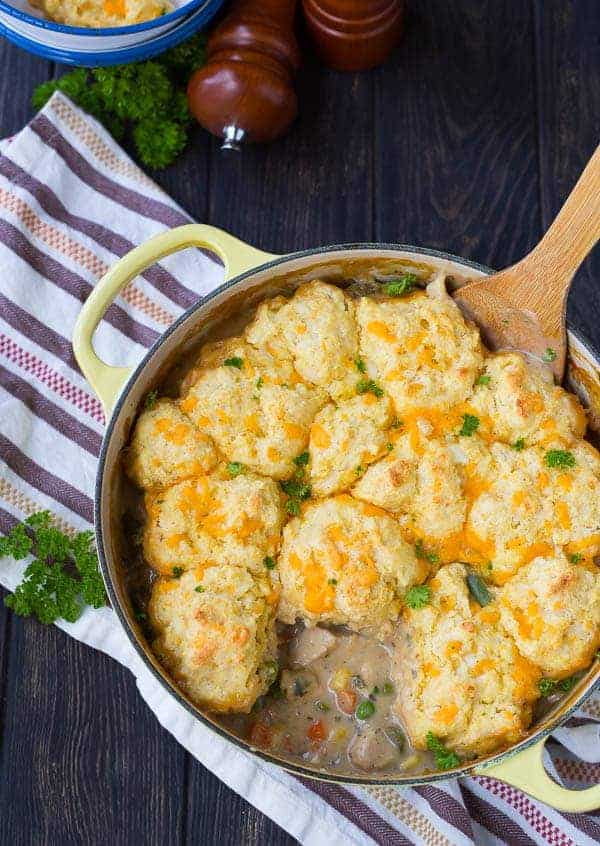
524,306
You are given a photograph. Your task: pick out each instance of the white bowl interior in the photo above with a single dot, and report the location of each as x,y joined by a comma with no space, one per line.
81,43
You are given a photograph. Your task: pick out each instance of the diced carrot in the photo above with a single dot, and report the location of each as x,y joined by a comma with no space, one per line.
316,732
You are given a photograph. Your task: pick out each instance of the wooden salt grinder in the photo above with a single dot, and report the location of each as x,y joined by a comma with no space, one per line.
354,35
244,92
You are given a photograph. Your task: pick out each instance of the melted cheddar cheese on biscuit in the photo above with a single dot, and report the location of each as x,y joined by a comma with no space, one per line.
458,672
237,520
166,448
215,632
345,562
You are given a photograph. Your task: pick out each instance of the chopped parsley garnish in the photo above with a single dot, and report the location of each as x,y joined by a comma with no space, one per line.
560,458
469,426
375,691
302,459
360,365
322,706
300,686
140,616
295,489
421,552
576,557
519,444
418,596
396,423
401,286
234,361
484,379
387,688
177,572
546,686
389,446
292,507
365,710
368,386
150,400
63,576
567,684
234,468
359,470
332,581
271,669
549,355
260,382
478,589
444,758
199,588
269,562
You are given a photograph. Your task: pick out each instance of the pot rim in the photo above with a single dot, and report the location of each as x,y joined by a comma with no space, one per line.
469,768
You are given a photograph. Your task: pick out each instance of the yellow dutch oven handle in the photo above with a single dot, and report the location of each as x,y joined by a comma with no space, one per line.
108,381
525,770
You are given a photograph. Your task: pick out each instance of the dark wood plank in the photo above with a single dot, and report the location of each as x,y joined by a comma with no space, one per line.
83,760
21,72
456,164
315,185
217,816
567,41
187,180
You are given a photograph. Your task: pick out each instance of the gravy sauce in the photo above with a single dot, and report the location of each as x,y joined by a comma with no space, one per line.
331,706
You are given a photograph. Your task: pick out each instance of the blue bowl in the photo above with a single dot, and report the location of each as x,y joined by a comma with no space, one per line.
95,56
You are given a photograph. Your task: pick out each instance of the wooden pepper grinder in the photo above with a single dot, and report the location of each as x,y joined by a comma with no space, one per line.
354,35
245,90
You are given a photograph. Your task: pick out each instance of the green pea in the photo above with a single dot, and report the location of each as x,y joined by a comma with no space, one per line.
365,710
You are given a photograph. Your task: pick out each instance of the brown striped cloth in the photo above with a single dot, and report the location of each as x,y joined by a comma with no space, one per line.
71,203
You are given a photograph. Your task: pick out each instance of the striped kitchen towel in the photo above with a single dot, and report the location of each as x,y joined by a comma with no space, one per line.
71,203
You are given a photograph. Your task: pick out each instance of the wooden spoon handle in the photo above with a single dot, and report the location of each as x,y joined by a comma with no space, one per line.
576,229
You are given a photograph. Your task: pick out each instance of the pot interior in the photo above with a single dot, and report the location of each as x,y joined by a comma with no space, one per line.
223,314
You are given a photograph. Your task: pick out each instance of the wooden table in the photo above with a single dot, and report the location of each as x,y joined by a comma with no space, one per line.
468,141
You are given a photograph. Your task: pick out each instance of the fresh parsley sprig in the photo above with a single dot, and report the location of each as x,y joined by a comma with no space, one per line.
62,578
445,759
145,100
